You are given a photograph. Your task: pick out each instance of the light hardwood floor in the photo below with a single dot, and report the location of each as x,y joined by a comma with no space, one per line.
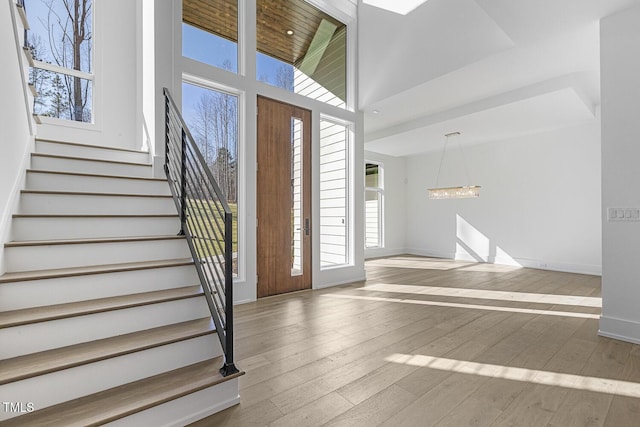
430,342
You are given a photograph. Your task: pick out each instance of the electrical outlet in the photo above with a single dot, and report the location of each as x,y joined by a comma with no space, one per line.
623,214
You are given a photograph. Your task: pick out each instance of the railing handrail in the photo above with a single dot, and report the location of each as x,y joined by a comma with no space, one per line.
191,171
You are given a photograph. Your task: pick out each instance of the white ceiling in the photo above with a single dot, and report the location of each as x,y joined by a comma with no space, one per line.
492,69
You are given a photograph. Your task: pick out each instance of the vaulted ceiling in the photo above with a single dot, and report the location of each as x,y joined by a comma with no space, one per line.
492,69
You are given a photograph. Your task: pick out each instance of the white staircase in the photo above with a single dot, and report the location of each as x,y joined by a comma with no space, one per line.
102,318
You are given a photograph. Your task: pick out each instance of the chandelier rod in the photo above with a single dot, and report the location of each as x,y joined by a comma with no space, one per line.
464,162
444,149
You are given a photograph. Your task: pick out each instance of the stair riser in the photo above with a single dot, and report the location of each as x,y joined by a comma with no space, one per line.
47,147
31,338
187,409
57,387
25,229
38,203
60,182
89,166
38,293
29,258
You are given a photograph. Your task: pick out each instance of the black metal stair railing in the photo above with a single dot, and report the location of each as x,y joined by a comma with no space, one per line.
206,222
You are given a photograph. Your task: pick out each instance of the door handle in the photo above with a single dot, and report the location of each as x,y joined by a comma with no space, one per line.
307,228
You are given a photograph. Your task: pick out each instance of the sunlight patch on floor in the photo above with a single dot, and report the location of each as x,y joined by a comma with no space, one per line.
487,294
469,306
443,264
578,382
485,267
419,263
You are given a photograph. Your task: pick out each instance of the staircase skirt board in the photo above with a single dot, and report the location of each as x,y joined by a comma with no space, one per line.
186,409
48,256
102,316
57,387
36,293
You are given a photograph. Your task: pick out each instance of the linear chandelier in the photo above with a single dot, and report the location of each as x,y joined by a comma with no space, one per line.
462,192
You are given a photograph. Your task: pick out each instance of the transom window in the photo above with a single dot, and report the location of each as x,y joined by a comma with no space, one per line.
301,49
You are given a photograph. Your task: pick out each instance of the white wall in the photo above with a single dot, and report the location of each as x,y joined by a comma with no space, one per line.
456,32
116,72
160,53
539,205
394,205
620,86
15,138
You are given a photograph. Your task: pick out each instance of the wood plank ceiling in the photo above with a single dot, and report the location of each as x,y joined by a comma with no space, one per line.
274,19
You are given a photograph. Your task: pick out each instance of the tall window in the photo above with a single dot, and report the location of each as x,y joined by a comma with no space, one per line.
210,32
297,225
212,117
301,49
374,196
334,195
61,43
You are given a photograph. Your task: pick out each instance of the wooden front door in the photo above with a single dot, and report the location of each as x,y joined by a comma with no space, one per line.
284,198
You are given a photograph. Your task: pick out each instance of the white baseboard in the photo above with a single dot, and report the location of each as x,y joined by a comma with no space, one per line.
383,252
341,282
158,167
430,253
619,329
595,270
186,409
11,206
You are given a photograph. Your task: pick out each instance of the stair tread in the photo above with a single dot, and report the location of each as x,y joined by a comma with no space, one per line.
88,193
118,402
31,365
89,159
79,308
96,175
102,147
24,243
94,269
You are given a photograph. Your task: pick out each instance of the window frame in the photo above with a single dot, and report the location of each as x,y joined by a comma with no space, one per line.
90,76
348,192
241,171
379,190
